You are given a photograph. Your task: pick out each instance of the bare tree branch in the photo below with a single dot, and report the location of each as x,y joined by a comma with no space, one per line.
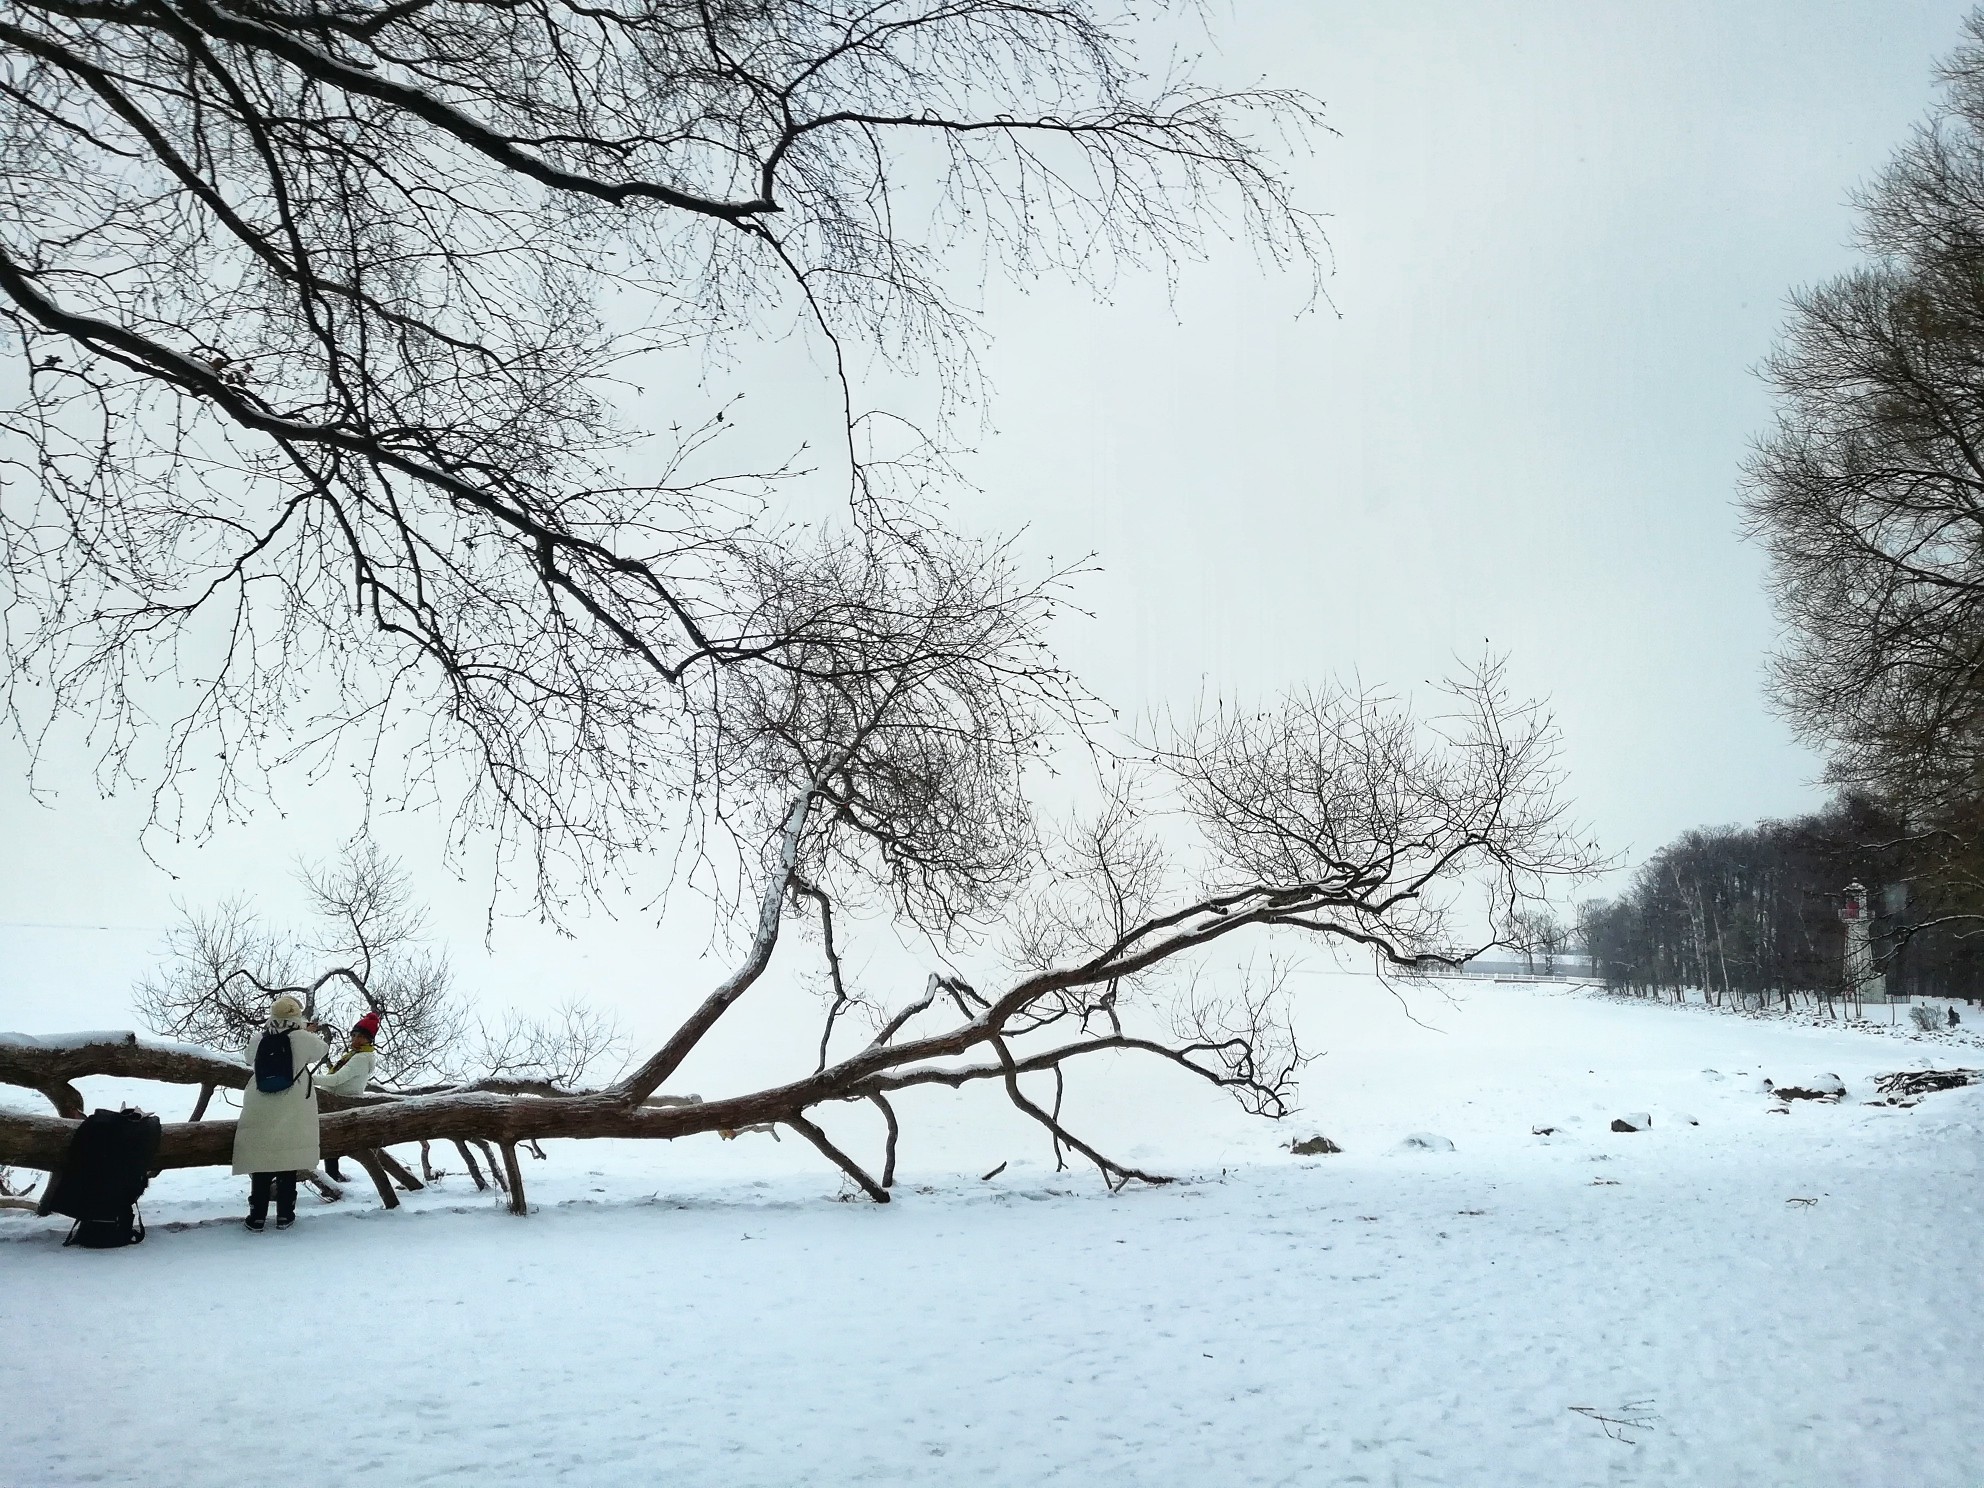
841,1160
328,323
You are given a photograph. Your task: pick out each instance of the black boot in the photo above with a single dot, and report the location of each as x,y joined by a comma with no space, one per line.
258,1200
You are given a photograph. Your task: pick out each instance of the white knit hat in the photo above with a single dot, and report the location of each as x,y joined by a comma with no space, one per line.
285,1008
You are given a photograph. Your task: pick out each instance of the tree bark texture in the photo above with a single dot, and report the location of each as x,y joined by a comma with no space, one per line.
398,1171
474,1168
369,1160
518,1204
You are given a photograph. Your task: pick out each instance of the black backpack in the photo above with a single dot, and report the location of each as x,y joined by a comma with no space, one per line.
99,1183
275,1063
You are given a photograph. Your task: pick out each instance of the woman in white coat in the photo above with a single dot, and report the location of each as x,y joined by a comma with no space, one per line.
277,1133
353,1070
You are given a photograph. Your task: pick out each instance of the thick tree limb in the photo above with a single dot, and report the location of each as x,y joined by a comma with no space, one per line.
839,1159
38,1062
496,1172
519,1205
644,1081
474,1168
368,1159
889,1150
923,1004
397,1170
1115,1174
67,1100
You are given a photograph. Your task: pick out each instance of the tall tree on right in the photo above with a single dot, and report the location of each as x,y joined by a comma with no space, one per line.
1869,493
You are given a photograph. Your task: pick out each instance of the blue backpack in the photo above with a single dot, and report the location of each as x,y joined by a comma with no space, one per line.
275,1065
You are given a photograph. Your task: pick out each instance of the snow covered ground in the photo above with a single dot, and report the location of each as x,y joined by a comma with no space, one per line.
1776,1299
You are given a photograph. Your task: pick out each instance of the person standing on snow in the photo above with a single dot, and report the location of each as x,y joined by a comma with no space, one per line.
277,1133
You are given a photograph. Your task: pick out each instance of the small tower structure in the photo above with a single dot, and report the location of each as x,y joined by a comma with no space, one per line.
1863,984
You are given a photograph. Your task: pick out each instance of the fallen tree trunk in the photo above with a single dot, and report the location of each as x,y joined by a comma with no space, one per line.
1337,815
28,1141
1232,1048
352,1126
493,1111
47,1063
358,1126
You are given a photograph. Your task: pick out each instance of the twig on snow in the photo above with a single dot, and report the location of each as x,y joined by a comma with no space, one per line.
1618,1420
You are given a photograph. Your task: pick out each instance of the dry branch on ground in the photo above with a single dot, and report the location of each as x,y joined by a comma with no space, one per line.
1925,1082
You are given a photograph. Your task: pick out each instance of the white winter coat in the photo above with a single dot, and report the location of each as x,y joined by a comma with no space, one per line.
351,1078
277,1133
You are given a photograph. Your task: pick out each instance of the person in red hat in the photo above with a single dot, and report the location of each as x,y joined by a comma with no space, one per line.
353,1070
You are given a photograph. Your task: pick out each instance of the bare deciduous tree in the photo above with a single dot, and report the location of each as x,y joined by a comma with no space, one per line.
1338,815
1869,495
320,312
325,318
366,951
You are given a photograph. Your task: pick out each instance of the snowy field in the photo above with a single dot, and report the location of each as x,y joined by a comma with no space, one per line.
1780,1301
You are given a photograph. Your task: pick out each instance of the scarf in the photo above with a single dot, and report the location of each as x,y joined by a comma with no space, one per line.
358,1046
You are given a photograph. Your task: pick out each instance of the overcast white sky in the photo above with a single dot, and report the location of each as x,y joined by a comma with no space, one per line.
1563,234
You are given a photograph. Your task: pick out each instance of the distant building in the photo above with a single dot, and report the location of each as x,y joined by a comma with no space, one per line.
1556,967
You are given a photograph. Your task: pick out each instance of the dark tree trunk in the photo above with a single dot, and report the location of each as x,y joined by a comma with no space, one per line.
518,1205
399,1171
369,1161
474,1169
495,1167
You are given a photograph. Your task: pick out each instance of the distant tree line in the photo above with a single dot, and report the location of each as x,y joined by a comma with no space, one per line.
1750,915
1868,497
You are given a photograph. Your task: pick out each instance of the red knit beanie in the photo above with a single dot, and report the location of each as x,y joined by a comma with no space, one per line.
366,1028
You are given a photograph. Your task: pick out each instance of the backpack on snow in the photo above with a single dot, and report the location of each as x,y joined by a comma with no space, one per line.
106,1170
275,1063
